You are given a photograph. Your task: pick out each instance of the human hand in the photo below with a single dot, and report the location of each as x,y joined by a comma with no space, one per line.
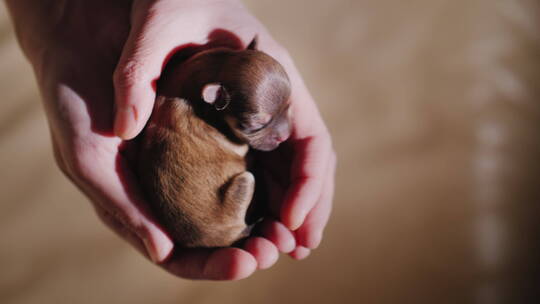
305,203
74,59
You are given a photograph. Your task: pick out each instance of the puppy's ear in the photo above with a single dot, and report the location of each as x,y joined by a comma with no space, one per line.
253,44
217,95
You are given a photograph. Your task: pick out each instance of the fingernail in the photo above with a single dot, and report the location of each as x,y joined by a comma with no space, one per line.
289,246
300,253
125,121
314,240
151,251
296,221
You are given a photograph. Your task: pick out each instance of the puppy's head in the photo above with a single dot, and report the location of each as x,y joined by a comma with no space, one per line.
253,94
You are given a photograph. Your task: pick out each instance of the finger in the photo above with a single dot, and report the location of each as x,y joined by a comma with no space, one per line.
138,68
312,148
115,192
121,230
310,233
300,253
221,264
148,45
307,175
278,234
264,251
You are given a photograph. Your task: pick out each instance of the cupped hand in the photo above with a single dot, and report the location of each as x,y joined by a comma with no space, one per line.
161,26
91,57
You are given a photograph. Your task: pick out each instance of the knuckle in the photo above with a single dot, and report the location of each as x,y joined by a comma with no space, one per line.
120,219
108,219
128,74
114,221
129,219
134,224
80,161
77,167
140,230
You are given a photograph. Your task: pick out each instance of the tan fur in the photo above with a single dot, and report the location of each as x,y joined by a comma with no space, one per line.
178,141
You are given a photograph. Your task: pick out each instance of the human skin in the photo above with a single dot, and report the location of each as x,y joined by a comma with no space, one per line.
96,62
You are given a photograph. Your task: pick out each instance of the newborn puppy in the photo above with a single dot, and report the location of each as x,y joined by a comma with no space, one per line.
192,162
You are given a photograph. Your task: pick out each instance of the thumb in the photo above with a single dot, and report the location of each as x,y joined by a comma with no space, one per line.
139,67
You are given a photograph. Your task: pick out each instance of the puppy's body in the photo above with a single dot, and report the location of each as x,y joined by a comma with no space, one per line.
186,168
192,162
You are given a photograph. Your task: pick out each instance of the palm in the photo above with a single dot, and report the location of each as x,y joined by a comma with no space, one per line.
79,97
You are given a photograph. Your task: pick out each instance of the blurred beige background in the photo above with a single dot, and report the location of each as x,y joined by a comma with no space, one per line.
435,112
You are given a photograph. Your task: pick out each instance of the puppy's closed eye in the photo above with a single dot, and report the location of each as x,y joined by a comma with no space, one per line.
256,127
258,123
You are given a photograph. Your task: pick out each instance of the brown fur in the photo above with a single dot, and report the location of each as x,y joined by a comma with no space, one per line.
190,165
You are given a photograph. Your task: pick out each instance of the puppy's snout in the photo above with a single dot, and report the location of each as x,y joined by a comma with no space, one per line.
283,131
280,138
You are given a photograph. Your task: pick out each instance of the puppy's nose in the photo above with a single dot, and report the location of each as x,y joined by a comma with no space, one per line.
282,133
279,138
